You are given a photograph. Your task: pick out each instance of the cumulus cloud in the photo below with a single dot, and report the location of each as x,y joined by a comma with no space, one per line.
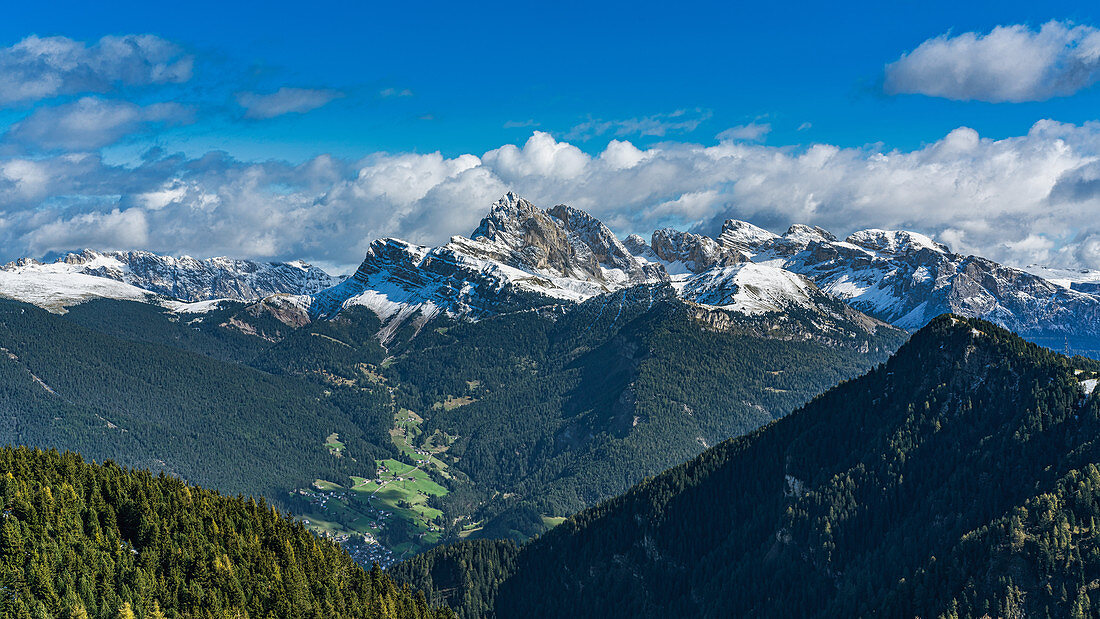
91,123
542,156
1023,199
285,101
42,67
657,125
1009,64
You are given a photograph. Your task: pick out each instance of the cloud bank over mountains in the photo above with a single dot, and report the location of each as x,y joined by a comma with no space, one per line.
1025,199
1031,198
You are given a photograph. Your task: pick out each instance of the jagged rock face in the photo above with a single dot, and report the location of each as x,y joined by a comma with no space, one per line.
520,257
608,250
522,235
189,279
639,247
402,282
698,253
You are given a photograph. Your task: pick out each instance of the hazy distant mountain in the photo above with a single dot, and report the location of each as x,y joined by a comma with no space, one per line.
142,275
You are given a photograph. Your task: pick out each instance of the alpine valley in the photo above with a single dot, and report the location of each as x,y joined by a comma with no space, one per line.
443,398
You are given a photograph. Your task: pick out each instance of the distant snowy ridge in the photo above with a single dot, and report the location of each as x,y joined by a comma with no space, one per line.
145,276
907,279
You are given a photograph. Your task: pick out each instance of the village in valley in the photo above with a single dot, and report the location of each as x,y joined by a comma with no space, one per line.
387,517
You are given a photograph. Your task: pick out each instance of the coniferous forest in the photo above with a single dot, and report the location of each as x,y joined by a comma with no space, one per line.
959,479
88,540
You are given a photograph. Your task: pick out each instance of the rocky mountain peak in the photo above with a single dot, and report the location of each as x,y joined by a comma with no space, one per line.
804,235
697,252
895,241
608,250
743,237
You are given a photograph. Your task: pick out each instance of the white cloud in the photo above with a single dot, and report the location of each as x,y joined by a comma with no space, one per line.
1034,197
91,123
43,67
393,92
752,132
657,125
621,155
284,101
1010,63
542,156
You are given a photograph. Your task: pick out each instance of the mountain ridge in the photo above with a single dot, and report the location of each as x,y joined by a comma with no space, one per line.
934,485
522,257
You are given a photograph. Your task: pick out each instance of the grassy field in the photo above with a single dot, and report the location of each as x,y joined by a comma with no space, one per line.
453,402
391,507
335,447
407,433
552,521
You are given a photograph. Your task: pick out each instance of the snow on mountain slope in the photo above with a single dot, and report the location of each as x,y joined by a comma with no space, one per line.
400,281
907,279
521,257
743,237
142,275
750,289
1081,280
54,287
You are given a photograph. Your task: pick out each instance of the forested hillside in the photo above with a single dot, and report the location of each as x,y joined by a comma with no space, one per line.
958,479
527,417
552,413
219,423
85,540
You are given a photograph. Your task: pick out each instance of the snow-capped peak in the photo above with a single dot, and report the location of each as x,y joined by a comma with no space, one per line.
744,237
504,223
895,241
803,235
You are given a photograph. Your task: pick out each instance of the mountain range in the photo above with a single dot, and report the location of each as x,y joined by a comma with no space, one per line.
537,367
545,419
522,257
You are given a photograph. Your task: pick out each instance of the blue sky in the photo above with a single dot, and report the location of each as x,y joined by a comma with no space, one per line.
281,130
482,77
